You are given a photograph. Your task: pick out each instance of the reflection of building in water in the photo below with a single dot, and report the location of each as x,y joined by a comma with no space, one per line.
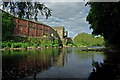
25,65
62,59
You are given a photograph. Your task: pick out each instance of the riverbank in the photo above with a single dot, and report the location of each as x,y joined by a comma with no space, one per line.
28,48
33,48
105,49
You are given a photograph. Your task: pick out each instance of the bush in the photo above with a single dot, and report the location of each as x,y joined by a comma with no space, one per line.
36,45
6,44
49,45
11,44
16,45
69,44
55,45
55,41
25,45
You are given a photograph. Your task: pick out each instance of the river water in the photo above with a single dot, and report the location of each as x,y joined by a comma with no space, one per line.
49,63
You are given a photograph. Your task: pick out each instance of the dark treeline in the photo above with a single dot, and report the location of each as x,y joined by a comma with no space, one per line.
104,19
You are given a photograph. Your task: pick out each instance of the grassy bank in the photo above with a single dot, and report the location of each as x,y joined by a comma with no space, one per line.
30,42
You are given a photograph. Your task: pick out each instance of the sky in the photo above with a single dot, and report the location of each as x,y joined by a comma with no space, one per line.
71,15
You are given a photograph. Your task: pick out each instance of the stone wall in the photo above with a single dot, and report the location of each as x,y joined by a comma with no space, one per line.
61,32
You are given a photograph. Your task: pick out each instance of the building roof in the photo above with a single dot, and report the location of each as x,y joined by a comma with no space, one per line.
69,38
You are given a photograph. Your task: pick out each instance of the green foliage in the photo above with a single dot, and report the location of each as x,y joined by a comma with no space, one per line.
11,44
55,45
85,39
104,19
33,40
48,45
6,45
25,45
30,41
27,9
43,42
7,26
69,44
36,45
16,45
55,41
19,45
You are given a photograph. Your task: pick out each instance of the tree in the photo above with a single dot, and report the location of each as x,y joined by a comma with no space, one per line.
84,39
28,10
104,19
8,26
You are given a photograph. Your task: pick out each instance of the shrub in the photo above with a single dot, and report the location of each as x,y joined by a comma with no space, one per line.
25,45
6,44
49,45
55,45
16,45
69,44
36,45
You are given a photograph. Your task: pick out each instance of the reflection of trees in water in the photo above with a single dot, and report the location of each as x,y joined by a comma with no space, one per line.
109,70
19,66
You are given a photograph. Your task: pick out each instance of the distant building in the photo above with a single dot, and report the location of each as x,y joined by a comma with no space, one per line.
61,32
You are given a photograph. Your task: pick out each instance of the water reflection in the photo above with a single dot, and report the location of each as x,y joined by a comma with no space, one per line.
49,63
18,64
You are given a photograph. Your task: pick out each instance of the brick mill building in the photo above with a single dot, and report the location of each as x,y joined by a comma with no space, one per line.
29,28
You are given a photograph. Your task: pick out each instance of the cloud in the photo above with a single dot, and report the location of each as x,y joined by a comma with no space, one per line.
71,15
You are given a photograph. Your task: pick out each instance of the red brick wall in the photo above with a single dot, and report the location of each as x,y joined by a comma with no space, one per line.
22,30
32,32
16,28
29,28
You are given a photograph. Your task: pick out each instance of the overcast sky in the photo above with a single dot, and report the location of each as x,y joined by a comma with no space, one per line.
71,15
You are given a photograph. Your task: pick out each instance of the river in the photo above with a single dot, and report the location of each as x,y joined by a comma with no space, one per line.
49,63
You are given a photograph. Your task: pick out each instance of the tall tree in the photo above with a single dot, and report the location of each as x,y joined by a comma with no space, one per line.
105,20
28,10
